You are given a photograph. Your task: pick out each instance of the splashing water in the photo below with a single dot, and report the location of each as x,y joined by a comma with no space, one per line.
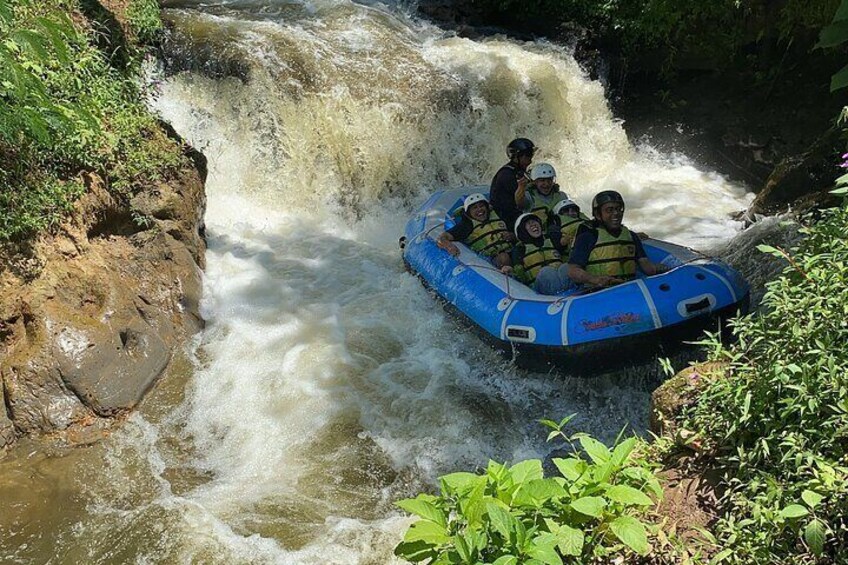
328,382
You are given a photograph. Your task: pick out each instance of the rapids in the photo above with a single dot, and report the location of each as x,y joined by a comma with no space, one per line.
328,383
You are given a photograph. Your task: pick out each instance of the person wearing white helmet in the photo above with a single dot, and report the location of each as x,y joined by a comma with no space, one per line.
542,194
480,228
564,223
535,260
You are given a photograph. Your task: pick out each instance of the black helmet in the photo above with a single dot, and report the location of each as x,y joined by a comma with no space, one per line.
605,196
520,146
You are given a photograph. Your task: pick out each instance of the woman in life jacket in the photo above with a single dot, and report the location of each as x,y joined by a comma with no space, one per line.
563,225
606,253
542,194
480,228
535,260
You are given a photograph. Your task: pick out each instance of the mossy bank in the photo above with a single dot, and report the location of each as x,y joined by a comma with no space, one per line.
101,219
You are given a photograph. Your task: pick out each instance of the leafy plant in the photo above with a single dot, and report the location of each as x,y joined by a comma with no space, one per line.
65,110
143,18
778,420
513,514
833,35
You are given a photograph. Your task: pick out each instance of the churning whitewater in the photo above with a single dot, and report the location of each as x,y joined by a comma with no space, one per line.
328,383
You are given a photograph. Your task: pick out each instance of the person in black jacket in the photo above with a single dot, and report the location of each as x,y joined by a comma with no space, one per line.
510,182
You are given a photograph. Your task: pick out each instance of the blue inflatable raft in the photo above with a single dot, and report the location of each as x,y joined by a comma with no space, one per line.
578,328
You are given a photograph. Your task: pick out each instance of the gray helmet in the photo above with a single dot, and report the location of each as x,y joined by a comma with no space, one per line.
565,204
520,146
604,197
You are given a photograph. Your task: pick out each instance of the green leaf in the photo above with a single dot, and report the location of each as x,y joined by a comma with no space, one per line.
622,451
590,506
5,12
546,554
811,498
794,511
595,449
631,532
814,535
506,560
628,496
423,509
839,80
841,12
496,471
427,531
837,191
570,541
833,35
525,471
462,548
474,506
457,482
721,556
57,39
500,520
550,424
415,551
571,468
33,42
536,493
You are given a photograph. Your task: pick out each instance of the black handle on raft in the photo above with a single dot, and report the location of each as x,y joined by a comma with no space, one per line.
699,305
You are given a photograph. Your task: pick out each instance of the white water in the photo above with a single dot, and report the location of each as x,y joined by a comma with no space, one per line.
329,383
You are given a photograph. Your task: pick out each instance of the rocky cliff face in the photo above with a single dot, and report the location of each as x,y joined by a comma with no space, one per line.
90,314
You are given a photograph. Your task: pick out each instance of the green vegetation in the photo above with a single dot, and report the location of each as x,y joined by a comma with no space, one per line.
509,515
778,420
832,36
775,424
714,31
65,110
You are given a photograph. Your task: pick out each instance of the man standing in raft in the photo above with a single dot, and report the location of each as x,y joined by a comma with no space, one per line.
605,252
480,229
510,182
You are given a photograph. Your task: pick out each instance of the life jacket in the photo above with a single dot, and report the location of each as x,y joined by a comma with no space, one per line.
568,230
485,236
536,257
543,206
613,256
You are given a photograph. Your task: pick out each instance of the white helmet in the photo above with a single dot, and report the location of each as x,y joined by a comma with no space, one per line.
542,171
473,199
523,218
563,204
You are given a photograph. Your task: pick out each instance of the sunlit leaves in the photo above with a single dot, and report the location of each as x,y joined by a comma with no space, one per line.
64,109
514,514
777,420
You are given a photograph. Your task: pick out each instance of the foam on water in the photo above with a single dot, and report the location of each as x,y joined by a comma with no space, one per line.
329,383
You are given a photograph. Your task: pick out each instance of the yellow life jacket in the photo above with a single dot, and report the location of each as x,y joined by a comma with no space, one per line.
543,206
613,256
568,230
537,257
485,237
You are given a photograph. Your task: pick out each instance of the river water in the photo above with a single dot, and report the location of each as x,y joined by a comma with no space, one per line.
328,383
